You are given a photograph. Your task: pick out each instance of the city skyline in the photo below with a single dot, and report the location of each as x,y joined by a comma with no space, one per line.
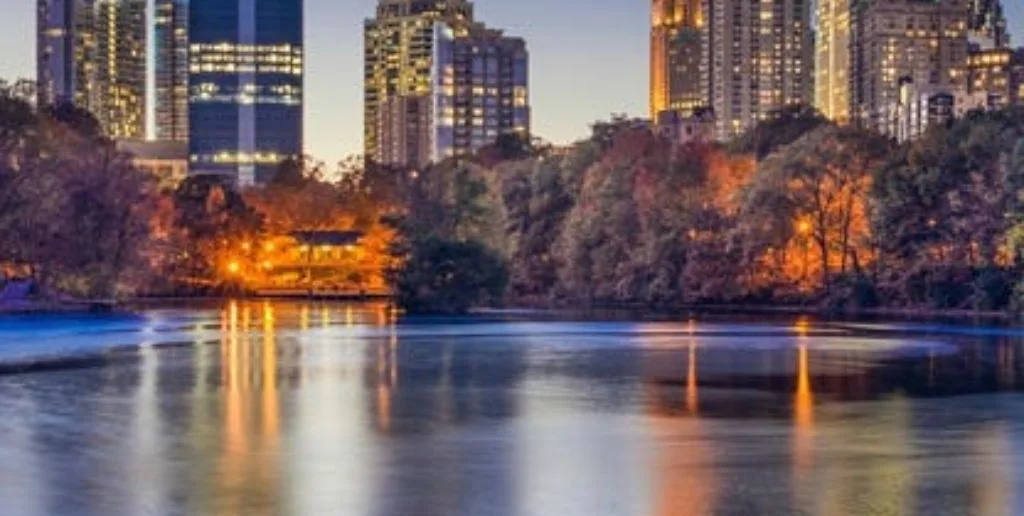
563,63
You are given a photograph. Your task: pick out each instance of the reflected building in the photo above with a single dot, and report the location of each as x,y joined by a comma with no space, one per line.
245,87
438,84
92,54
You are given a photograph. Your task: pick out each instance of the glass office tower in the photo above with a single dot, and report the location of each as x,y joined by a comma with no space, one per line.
245,87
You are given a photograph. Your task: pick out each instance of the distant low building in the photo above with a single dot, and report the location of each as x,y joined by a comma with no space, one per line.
920,107
166,160
683,129
321,262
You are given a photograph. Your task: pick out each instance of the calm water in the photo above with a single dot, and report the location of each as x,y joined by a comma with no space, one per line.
292,409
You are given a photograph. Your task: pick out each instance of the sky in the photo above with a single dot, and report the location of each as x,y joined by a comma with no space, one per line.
588,60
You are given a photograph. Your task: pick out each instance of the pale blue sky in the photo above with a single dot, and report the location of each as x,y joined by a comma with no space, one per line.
589,59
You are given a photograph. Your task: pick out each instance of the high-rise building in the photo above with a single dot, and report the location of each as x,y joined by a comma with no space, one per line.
758,56
832,60
480,90
245,87
676,27
923,42
58,47
398,62
437,84
120,65
170,48
92,53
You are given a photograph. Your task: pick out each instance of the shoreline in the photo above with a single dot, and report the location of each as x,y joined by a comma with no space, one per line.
57,307
906,313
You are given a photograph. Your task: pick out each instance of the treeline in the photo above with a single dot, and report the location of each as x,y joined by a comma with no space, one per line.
797,211
80,220
74,213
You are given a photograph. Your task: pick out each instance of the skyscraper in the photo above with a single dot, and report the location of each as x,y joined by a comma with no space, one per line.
170,46
757,59
245,87
480,91
120,66
676,54
92,53
900,41
437,84
59,50
832,60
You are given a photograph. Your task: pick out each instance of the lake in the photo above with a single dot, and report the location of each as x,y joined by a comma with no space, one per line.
288,408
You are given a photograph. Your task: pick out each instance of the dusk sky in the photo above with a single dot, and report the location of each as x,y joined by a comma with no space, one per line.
588,59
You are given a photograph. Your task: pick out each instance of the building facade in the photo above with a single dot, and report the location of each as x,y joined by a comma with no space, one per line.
832,60
921,107
59,53
684,128
245,87
923,42
120,66
997,73
480,91
676,54
438,84
758,56
398,63
170,49
166,160
987,24
92,53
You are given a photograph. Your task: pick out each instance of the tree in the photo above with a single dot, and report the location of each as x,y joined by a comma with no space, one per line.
211,223
442,276
815,192
942,214
781,128
451,240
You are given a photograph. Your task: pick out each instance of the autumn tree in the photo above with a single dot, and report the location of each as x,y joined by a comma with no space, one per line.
451,244
814,193
780,128
942,220
72,209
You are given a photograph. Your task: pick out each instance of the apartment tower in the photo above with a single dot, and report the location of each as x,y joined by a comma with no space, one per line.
438,84
757,60
676,27
832,60
896,42
170,48
92,53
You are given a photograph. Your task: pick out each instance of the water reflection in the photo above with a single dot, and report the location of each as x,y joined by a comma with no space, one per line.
295,408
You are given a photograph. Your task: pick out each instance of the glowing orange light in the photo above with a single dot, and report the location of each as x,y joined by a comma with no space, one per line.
234,267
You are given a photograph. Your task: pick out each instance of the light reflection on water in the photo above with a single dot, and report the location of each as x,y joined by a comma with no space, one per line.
291,408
